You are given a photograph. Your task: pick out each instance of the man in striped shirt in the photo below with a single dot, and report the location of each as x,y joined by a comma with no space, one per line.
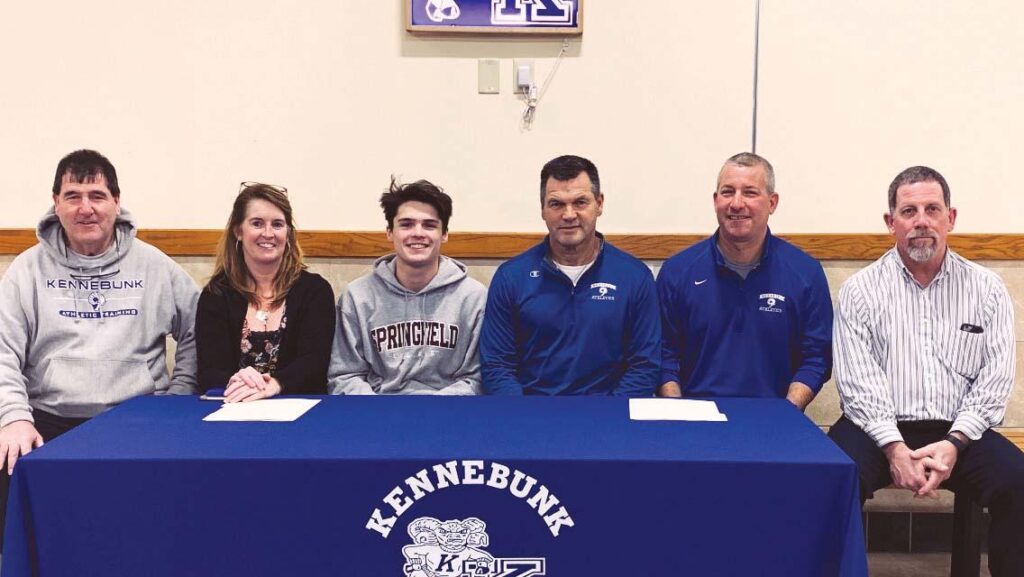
924,361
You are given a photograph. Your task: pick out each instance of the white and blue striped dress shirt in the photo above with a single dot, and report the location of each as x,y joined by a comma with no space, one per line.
909,353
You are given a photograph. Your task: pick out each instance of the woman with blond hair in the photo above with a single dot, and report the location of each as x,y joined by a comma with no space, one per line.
264,325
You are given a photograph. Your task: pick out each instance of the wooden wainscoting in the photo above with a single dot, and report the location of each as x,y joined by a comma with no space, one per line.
1015,435
500,245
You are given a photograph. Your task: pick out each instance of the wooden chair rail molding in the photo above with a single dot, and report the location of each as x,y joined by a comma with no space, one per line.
1015,435
500,245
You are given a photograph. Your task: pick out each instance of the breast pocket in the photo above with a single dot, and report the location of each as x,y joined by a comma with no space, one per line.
964,351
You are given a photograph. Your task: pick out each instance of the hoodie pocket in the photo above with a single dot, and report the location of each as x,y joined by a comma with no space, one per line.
87,387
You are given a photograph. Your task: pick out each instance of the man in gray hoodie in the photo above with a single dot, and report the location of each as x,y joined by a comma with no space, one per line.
412,326
85,315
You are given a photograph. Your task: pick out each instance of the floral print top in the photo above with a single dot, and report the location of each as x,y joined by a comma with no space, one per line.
260,348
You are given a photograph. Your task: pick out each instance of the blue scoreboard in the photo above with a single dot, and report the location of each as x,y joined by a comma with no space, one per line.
495,16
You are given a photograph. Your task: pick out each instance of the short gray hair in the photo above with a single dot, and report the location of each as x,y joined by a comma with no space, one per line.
748,160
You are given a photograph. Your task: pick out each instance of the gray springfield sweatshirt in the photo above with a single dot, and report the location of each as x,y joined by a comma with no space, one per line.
389,340
81,334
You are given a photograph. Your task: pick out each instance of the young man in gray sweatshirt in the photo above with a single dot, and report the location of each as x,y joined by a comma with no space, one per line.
412,325
85,315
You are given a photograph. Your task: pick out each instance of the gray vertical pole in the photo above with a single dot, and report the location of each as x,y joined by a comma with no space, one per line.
757,51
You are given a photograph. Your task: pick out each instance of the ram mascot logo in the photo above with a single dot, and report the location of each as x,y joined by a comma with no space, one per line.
447,548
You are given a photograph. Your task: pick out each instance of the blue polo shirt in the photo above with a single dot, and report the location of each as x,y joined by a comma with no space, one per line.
544,336
723,336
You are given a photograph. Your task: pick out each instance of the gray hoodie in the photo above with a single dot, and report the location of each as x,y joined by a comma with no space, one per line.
389,340
80,334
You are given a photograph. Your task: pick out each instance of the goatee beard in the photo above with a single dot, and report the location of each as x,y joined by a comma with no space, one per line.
921,253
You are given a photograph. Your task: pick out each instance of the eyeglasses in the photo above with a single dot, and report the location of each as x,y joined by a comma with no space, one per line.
251,183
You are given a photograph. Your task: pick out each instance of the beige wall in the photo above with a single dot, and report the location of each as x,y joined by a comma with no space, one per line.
330,97
853,92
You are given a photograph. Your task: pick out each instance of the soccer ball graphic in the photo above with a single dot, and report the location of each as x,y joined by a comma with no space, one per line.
97,300
441,10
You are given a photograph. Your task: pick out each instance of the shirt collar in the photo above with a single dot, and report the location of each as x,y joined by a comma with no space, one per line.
909,276
597,258
766,250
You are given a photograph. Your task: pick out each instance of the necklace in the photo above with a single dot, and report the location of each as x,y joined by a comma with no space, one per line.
263,314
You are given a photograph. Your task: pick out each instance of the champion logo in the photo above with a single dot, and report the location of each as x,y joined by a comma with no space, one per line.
603,288
771,302
534,274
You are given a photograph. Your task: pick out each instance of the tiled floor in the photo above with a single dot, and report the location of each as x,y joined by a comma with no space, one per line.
914,565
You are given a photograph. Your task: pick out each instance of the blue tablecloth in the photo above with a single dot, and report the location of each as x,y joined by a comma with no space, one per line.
365,486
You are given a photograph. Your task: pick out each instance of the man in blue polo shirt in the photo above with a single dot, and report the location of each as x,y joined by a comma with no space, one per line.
573,315
745,314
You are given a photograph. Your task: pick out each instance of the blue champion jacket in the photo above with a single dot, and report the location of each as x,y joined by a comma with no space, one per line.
542,336
728,337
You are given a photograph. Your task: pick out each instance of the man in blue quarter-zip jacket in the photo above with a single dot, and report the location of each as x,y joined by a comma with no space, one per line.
573,315
745,314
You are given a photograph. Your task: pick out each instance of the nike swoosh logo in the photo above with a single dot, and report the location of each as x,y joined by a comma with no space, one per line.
700,282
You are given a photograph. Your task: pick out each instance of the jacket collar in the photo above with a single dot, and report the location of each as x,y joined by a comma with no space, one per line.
766,251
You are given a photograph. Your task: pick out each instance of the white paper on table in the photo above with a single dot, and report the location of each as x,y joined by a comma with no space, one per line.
674,410
282,410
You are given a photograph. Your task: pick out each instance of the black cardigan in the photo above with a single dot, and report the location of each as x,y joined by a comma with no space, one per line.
305,351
